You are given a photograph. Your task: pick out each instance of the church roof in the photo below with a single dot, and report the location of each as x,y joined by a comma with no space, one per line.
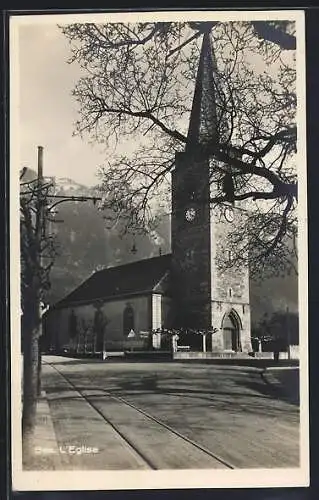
128,279
203,125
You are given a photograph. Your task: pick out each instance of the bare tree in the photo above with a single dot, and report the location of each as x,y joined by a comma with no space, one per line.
138,83
37,257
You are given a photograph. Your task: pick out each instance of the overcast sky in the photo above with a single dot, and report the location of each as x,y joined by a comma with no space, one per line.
47,109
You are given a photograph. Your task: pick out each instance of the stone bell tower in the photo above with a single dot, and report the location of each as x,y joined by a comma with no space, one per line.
205,294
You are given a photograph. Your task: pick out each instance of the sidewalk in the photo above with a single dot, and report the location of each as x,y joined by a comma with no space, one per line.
40,449
70,435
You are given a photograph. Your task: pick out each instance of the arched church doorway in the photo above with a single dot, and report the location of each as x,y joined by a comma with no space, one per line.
231,332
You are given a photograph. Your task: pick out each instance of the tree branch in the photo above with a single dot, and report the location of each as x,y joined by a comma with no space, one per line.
282,228
179,47
143,114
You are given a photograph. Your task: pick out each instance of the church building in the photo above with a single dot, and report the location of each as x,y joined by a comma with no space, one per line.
187,288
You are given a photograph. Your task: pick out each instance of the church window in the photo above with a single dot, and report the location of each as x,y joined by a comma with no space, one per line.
229,255
128,320
230,292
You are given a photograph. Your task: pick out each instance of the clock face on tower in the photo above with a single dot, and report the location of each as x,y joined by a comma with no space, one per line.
190,214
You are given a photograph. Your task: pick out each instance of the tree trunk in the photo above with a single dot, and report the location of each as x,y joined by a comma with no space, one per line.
31,358
30,379
40,333
39,370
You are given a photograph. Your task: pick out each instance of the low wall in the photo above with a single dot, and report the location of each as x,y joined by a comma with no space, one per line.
258,360
293,354
209,355
186,354
155,355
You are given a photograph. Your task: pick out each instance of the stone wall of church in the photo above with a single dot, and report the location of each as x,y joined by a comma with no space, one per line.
229,283
167,312
219,311
58,320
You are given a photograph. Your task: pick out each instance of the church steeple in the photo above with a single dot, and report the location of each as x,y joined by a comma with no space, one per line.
203,126
205,293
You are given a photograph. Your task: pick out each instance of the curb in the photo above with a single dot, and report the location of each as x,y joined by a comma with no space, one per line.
40,449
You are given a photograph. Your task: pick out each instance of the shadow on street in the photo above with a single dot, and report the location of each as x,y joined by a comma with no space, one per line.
245,394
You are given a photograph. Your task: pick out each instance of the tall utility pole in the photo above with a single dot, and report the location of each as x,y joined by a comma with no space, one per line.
41,236
33,313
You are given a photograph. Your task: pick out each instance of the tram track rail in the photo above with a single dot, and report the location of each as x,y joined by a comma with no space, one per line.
148,461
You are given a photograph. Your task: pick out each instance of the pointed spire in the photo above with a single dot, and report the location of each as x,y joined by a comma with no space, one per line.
203,125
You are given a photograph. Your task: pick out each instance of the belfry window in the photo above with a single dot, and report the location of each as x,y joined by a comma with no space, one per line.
128,320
